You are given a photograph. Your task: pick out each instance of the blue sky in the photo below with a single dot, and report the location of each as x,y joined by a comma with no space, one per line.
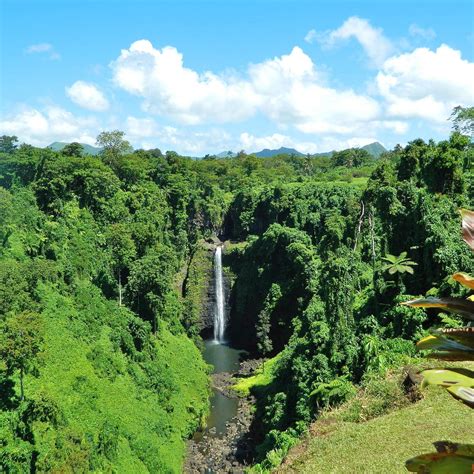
205,76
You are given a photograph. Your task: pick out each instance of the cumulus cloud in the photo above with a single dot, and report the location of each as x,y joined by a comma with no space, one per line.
43,48
287,89
148,133
426,84
251,143
372,40
87,96
51,124
169,88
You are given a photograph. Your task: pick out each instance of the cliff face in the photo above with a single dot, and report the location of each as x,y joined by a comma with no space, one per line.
198,291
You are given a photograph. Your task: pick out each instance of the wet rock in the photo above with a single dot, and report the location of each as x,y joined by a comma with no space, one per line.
231,452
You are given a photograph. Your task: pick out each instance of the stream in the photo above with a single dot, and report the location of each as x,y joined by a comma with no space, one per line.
224,359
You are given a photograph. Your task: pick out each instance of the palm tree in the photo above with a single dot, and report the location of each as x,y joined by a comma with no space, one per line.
400,264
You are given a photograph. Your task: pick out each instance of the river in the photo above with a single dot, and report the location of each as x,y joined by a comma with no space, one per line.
224,359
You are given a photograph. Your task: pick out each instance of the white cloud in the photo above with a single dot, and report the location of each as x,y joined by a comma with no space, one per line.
375,44
88,96
42,48
397,126
147,133
141,128
310,36
287,89
424,33
169,88
426,84
251,143
52,124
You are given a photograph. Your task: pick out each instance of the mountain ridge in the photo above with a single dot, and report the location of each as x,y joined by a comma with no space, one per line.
375,149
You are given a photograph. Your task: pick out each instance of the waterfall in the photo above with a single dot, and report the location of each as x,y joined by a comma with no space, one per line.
219,314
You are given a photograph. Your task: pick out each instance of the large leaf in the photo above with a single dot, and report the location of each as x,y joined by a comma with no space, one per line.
468,227
390,258
447,377
464,336
462,307
440,463
452,356
465,394
447,341
451,458
465,279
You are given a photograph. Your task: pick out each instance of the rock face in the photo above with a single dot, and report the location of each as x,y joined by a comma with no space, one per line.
207,312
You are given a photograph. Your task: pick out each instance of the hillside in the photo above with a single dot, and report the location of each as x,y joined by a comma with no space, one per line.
266,153
383,443
88,149
375,149
109,265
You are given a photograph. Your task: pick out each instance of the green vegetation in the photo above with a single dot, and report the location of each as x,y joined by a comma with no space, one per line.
382,443
262,378
104,273
328,270
450,344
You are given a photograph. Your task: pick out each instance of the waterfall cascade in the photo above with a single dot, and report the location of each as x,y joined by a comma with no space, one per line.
219,313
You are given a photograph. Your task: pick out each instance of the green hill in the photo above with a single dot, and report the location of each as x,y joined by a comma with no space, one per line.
266,153
88,149
384,443
375,149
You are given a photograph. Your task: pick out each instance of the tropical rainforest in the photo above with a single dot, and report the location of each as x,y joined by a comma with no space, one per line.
102,281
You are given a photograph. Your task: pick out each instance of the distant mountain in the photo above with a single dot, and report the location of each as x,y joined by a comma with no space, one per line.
226,154
88,149
324,154
266,153
375,149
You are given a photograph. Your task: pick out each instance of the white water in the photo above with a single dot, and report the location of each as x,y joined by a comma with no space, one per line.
219,314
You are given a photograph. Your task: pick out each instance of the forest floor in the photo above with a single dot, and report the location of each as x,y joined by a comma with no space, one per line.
383,443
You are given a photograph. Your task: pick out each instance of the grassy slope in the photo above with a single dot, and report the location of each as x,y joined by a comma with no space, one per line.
262,378
383,444
151,429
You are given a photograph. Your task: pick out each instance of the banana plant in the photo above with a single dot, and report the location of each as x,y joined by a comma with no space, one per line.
454,345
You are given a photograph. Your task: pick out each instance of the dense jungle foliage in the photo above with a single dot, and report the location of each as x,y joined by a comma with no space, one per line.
101,283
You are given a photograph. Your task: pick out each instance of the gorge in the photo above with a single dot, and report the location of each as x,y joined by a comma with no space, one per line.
218,447
112,266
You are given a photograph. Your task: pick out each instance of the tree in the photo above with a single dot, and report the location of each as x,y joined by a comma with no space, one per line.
73,149
463,120
352,157
150,281
263,326
123,251
20,343
113,145
8,143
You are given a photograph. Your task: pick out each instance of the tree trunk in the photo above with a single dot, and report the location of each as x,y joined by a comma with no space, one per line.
120,287
22,390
